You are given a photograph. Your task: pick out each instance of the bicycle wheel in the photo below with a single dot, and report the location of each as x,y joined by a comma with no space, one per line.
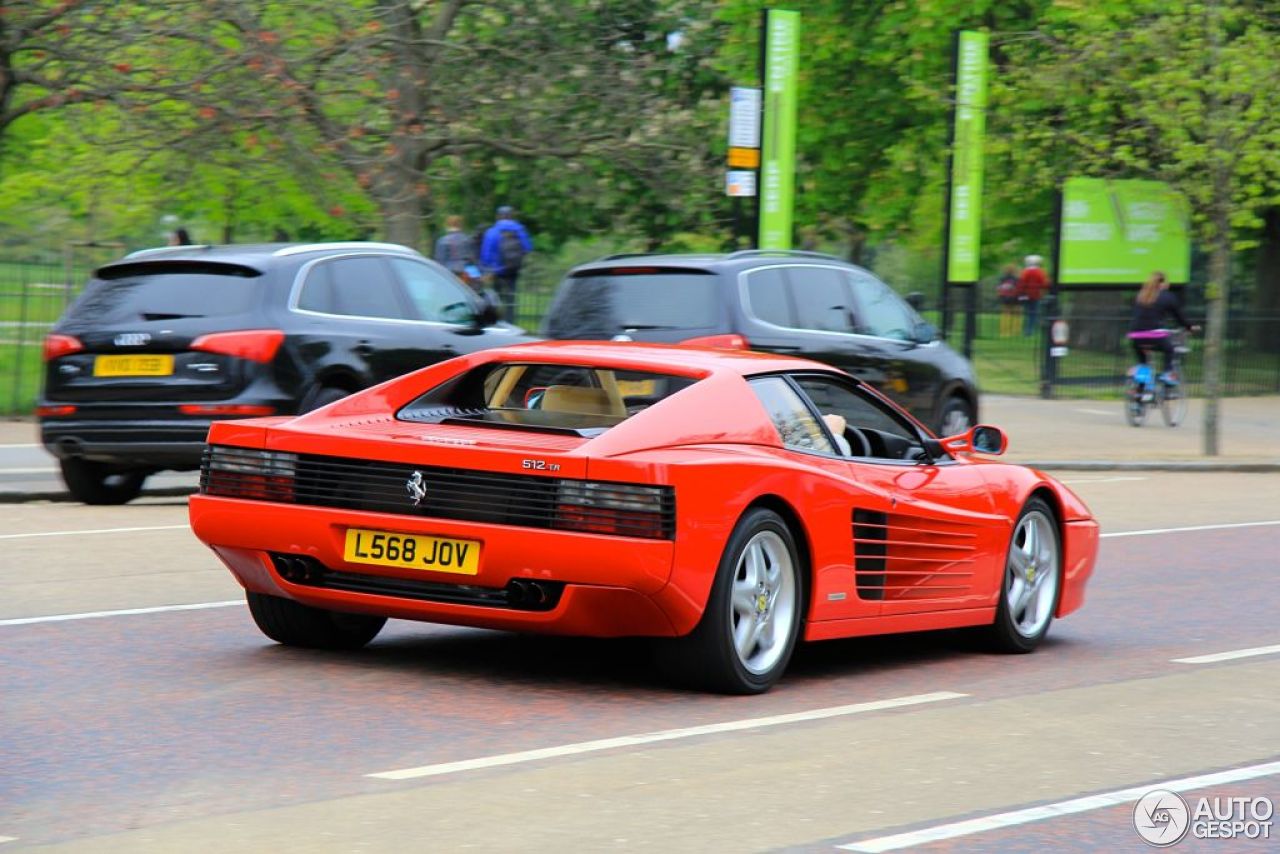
1135,410
1173,404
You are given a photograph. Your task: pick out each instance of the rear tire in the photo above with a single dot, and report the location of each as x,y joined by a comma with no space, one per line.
748,631
294,624
1173,405
101,483
323,396
956,417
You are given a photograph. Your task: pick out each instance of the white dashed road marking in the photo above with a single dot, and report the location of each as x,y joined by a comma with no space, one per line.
1076,805
91,615
1155,531
662,735
93,531
1228,656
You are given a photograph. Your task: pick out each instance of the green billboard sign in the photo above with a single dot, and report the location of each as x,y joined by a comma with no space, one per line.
778,161
1118,232
964,234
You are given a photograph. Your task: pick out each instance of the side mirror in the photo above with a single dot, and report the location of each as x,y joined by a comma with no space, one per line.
490,310
924,332
982,439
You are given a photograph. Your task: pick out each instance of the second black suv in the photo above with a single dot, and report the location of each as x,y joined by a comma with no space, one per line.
166,340
799,303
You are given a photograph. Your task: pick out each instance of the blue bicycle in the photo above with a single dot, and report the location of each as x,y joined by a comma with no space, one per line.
1144,390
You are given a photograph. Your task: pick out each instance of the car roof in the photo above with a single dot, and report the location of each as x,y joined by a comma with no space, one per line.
707,260
660,358
255,255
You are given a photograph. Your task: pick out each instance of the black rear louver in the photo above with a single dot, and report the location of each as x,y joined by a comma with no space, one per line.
468,495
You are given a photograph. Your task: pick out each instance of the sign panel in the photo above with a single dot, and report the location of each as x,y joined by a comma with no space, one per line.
1118,232
740,182
744,117
964,237
778,168
744,158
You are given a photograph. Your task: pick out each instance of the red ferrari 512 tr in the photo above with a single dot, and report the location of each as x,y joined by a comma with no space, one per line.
729,502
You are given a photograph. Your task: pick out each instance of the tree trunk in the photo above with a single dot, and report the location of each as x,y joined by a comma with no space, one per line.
402,219
1216,298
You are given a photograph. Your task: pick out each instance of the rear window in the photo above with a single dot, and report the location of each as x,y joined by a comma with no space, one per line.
604,303
562,398
133,292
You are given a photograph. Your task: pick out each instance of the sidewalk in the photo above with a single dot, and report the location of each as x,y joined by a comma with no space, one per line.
1093,434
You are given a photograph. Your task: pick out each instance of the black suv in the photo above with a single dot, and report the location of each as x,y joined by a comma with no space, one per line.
800,303
166,340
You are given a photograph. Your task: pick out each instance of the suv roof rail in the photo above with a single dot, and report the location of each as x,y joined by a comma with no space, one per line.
298,249
805,253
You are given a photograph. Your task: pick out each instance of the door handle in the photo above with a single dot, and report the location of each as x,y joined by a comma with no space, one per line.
363,349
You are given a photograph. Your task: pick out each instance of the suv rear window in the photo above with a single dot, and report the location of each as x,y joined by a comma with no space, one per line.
167,291
564,398
603,303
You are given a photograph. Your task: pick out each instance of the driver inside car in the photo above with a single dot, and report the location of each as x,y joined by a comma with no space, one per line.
836,424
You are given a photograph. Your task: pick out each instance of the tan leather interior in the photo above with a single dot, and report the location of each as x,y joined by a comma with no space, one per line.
584,401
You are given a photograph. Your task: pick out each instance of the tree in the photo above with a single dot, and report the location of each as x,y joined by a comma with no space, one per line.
1188,94
391,90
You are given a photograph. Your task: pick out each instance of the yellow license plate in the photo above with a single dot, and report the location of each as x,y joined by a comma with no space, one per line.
410,551
133,365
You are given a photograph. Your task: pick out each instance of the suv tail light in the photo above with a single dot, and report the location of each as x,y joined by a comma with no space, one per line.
724,342
256,345
56,346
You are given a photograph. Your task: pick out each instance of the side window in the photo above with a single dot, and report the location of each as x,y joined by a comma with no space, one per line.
821,297
363,287
796,424
882,312
884,435
767,296
436,296
317,290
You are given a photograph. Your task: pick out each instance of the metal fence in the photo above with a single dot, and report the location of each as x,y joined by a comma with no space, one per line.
36,289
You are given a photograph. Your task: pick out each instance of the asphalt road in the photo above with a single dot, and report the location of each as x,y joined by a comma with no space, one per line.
167,729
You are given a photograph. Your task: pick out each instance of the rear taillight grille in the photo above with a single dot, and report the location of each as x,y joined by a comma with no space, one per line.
530,501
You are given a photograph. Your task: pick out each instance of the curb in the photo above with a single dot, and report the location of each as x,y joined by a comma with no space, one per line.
1155,465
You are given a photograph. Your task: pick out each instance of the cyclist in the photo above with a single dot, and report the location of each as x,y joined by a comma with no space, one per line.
1154,305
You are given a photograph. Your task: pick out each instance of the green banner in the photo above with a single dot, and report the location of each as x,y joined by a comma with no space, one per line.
778,163
964,239
1118,232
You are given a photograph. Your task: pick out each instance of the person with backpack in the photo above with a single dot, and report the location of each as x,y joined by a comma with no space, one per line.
502,253
455,249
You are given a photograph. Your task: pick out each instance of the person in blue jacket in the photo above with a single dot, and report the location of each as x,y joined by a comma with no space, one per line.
502,253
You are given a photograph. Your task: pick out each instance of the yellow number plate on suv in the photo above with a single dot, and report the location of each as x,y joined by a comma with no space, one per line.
409,551
133,366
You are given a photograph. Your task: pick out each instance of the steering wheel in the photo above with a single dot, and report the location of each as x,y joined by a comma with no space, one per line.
858,444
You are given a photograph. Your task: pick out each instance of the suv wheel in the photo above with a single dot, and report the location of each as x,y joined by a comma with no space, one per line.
956,417
100,483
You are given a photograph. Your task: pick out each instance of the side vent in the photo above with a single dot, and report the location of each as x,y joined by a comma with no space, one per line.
870,533
898,556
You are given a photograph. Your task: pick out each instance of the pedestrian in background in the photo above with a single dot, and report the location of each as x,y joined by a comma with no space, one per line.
502,253
455,249
180,237
1032,283
1007,294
